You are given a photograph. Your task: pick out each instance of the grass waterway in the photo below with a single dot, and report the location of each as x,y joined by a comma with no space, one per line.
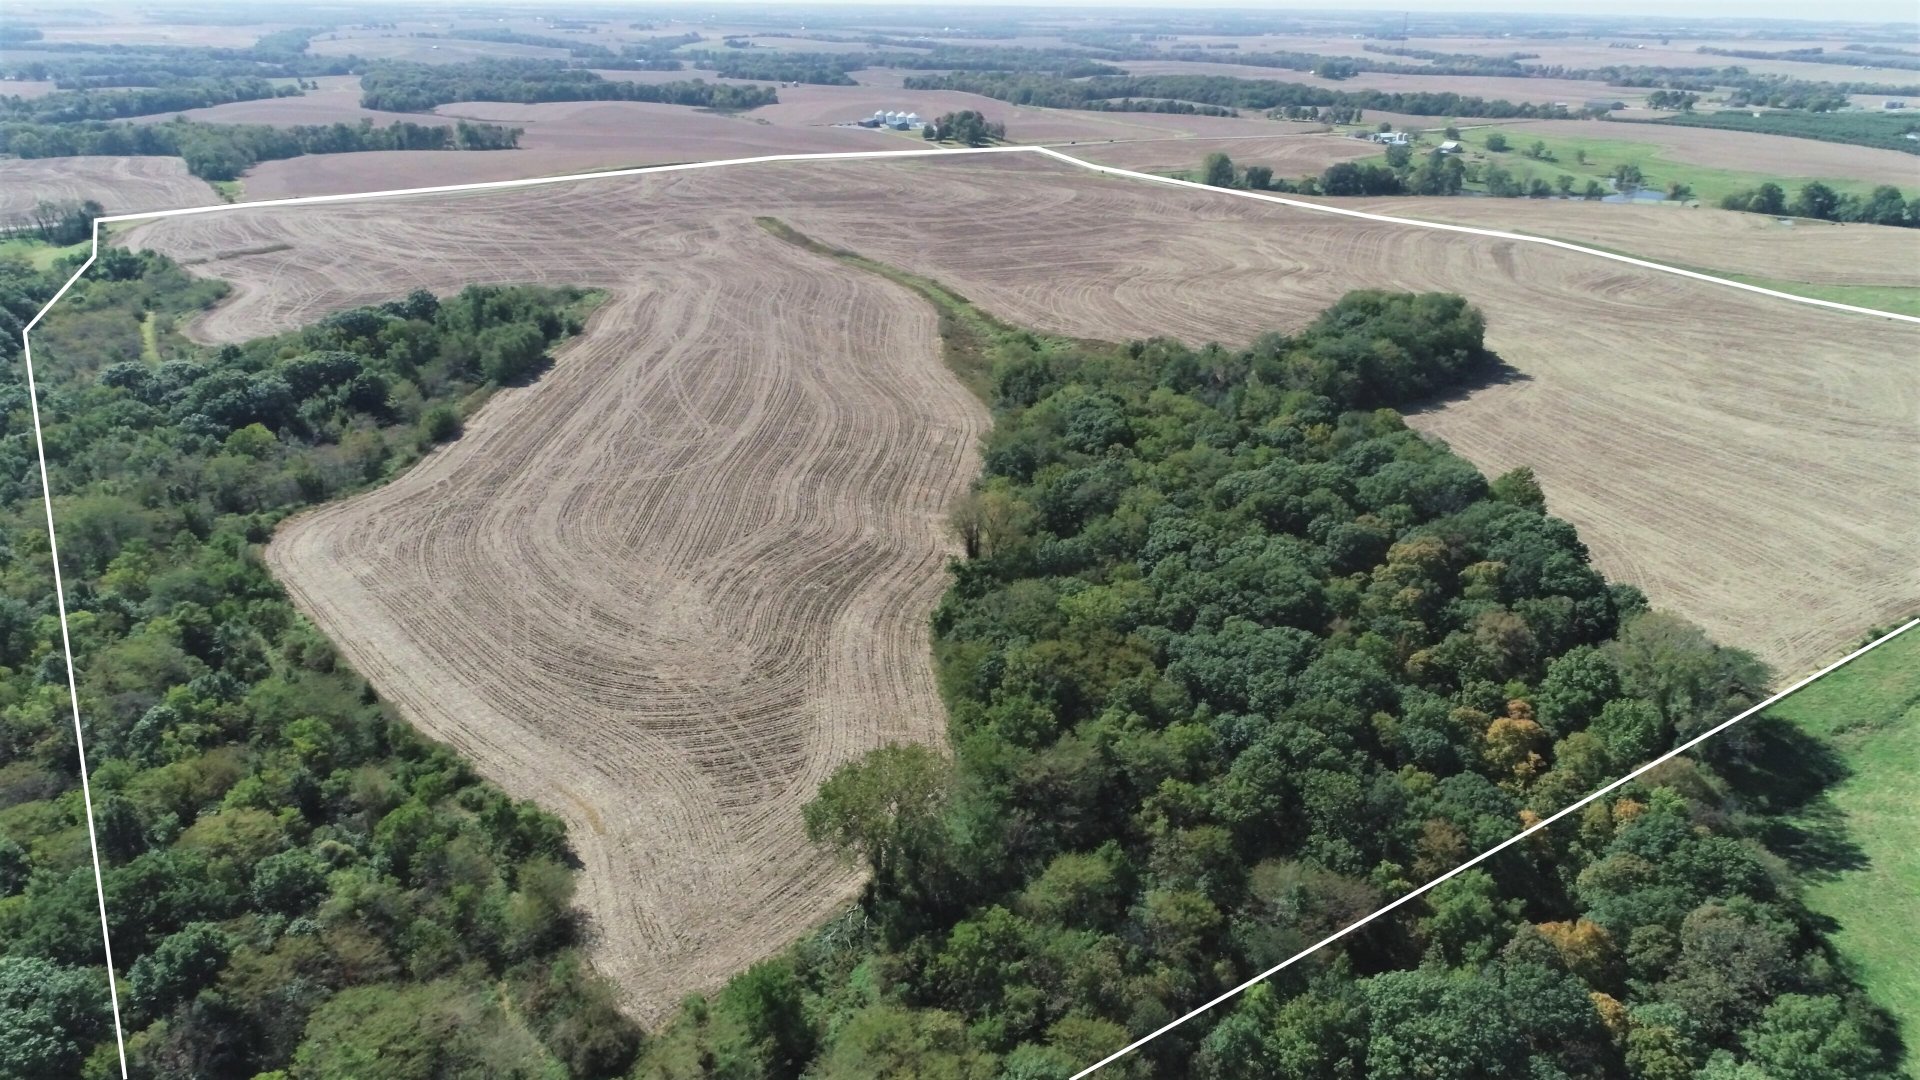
1869,713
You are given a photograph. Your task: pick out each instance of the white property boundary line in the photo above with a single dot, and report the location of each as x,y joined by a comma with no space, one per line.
46,491
1492,851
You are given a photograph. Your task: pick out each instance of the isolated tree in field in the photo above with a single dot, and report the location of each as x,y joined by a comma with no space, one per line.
879,806
1260,178
1451,132
1497,143
1627,178
968,127
1563,184
1593,191
1218,170
1678,190
1538,151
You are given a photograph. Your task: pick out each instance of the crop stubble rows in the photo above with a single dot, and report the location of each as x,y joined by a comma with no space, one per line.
666,589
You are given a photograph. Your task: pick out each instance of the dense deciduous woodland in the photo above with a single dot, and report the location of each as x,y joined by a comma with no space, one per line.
1234,657
294,878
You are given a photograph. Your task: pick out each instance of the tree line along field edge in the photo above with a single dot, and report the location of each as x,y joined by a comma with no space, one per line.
293,878
1004,878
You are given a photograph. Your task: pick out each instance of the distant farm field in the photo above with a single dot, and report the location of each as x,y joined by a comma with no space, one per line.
670,586
1816,253
1574,92
118,184
1288,155
1713,161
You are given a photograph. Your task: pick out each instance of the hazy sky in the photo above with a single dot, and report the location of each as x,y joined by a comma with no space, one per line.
1877,11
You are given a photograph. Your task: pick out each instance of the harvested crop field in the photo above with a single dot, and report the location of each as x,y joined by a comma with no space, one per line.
26,88
668,587
109,32
560,138
119,184
806,106
336,101
1801,250
1574,92
1744,151
1750,462
400,46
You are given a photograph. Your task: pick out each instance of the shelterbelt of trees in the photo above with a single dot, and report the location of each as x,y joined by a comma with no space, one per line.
67,106
1233,658
1888,132
224,151
399,86
1057,92
294,880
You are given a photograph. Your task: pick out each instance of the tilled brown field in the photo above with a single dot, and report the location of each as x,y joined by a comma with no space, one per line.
119,184
816,105
561,137
671,585
1817,252
669,588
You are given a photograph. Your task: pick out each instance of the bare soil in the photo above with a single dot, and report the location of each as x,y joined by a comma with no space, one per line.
667,589
119,184
671,585
1818,252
